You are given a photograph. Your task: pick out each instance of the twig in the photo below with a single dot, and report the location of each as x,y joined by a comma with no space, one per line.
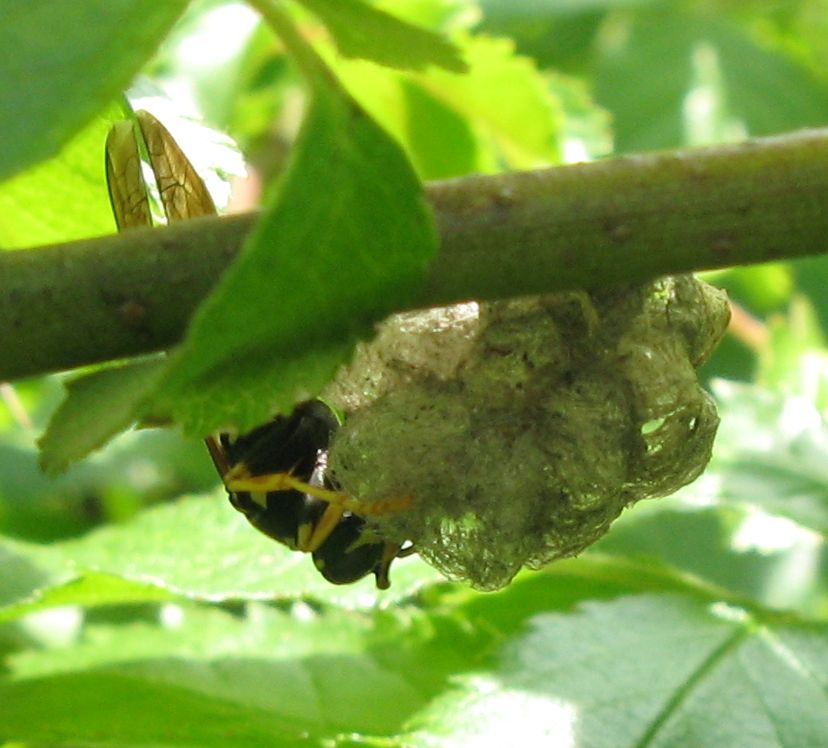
581,226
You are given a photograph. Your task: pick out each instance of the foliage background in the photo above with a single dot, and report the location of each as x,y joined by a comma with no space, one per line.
138,609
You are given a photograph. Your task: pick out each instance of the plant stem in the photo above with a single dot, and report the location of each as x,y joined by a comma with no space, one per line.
582,226
305,57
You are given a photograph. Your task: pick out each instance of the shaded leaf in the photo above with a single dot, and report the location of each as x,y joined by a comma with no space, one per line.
644,95
97,407
441,142
371,33
86,706
52,82
770,92
25,569
649,98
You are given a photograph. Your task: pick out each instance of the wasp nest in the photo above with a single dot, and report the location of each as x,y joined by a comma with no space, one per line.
521,429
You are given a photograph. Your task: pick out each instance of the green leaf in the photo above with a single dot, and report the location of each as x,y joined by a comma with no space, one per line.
456,668
770,452
506,100
794,360
502,113
269,678
811,274
110,708
540,8
373,34
344,241
641,671
227,559
719,547
63,62
643,78
63,198
90,591
25,569
770,92
657,61
441,142
97,407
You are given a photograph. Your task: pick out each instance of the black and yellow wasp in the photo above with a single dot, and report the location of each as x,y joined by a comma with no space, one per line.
276,473
276,476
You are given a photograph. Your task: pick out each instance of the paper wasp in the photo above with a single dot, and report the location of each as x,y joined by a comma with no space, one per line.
275,474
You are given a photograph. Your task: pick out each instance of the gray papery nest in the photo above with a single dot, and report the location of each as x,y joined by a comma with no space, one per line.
520,429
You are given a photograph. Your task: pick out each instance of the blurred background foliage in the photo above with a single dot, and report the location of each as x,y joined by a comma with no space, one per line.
550,82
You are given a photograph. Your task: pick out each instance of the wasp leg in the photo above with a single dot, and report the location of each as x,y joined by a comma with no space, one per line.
389,553
237,479
323,528
218,455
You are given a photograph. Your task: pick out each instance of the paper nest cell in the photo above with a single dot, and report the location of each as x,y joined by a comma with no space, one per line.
522,428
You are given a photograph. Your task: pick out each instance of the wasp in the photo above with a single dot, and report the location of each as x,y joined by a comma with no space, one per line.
275,475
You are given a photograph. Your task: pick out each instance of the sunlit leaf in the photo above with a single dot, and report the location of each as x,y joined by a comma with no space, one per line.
505,99
268,679
501,113
226,558
636,671
771,452
90,590
60,199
